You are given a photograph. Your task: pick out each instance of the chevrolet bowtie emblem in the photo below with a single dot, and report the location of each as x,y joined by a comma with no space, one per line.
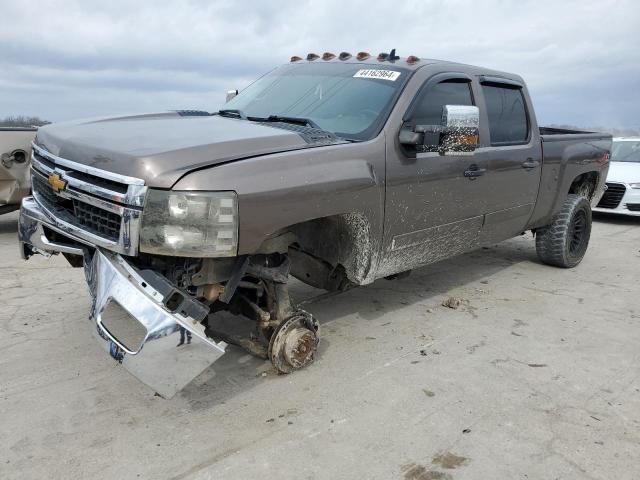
56,182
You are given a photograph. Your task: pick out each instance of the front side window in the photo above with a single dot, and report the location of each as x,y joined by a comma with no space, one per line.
625,151
428,110
507,114
352,101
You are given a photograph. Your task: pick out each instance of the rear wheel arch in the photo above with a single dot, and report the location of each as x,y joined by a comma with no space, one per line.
585,185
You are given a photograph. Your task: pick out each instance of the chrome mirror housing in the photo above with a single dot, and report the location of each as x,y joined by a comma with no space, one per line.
231,94
461,125
457,134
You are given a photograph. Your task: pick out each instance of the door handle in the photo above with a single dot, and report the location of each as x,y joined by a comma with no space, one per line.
530,163
474,172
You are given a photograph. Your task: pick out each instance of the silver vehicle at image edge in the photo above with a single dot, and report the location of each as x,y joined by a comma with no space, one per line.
15,178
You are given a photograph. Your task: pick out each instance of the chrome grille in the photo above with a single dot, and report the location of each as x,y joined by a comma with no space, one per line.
97,220
86,177
99,182
97,206
52,201
612,195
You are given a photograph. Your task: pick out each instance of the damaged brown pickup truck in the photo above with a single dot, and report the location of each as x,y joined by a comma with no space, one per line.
336,169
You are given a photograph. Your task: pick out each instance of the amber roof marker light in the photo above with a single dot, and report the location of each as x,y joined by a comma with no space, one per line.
360,56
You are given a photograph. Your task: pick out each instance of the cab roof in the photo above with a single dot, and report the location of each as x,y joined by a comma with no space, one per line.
412,62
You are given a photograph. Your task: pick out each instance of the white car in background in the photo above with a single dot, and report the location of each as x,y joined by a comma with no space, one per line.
623,181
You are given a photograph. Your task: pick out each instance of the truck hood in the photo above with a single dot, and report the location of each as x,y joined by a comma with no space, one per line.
161,148
624,172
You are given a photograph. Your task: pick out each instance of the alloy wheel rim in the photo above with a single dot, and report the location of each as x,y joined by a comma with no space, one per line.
578,232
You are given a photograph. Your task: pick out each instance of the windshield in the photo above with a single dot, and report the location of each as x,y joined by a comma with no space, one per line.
625,151
349,100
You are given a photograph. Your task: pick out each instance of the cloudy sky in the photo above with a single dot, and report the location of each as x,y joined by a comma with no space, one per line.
76,58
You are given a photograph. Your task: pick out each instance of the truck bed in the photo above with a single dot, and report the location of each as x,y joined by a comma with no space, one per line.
568,154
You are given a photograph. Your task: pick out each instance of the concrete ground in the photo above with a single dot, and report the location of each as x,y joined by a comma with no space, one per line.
535,376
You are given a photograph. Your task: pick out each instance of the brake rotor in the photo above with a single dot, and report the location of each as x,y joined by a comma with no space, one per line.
294,343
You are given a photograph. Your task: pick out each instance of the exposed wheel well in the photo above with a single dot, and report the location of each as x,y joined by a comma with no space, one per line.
342,242
584,185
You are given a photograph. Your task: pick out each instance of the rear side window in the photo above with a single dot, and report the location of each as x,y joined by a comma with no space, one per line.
429,108
507,114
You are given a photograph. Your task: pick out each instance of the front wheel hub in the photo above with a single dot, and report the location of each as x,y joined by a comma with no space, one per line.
294,343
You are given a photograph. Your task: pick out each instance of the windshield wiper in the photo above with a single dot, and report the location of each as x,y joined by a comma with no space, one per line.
233,113
284,119
305,122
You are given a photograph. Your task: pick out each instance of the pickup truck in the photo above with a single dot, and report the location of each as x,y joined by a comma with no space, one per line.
15,150
334,169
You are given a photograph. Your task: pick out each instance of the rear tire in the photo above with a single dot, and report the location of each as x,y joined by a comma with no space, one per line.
564,241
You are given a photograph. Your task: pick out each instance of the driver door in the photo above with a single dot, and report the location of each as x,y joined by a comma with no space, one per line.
432,210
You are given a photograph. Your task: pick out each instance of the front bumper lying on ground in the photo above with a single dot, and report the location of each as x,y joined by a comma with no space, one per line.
128,313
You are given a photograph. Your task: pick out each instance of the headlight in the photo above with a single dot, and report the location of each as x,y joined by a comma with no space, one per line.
634,185
190,224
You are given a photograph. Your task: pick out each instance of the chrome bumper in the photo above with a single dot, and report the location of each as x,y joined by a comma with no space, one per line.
32,237
128,314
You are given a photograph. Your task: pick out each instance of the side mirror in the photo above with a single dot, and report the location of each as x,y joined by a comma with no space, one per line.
231,94
462,129
457,134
